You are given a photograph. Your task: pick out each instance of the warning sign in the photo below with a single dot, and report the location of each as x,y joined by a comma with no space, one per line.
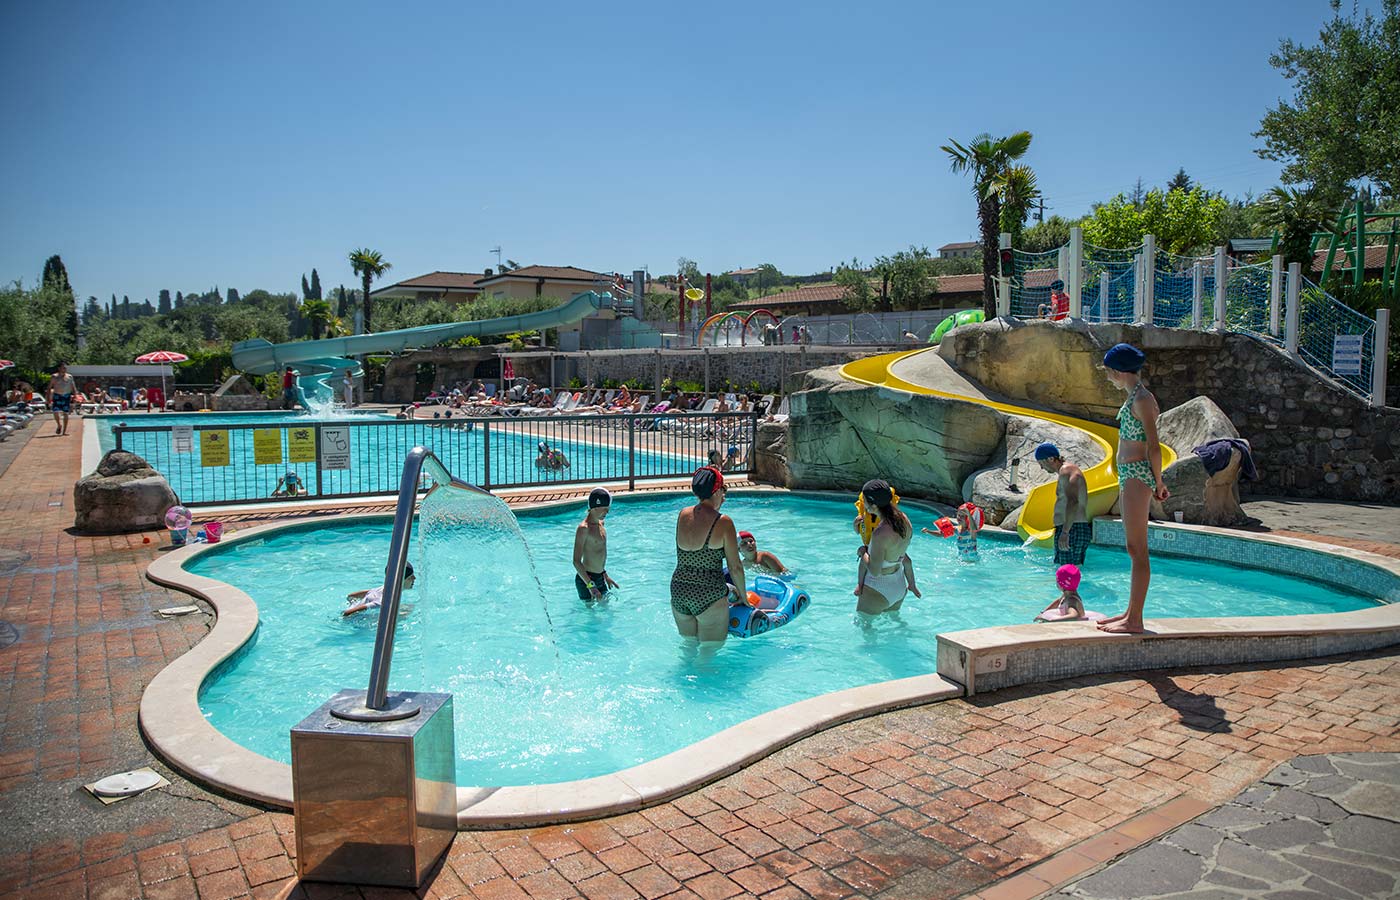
1347,350
213,448
182,437
267,446
335,447
301,445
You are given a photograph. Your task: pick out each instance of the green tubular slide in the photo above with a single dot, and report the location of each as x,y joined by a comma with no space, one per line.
962,317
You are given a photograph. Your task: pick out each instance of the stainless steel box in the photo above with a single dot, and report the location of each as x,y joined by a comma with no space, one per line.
375,802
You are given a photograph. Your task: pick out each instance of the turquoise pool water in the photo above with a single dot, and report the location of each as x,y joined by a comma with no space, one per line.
377,445
554,689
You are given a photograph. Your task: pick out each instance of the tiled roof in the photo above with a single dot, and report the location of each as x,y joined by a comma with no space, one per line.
441,281
550,273
1375,258
826,293
743,272
959,245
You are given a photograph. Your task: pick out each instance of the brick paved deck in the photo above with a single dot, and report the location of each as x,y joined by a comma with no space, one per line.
936,801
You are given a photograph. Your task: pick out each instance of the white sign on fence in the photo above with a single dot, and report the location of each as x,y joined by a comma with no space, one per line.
182,438
335,447
1346,354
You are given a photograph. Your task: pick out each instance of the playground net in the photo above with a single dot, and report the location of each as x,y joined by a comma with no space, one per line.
1336,339
1247,300
1030,282
1114,303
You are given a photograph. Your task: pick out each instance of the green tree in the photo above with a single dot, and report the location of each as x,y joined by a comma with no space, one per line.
92,311
163,302
687,269
1294,214
369,265
911,278
315,286
233,295
1342,126
1182,221
56,275
1017,190
342,307
318,313
856,291
179,300
1047,235
305,288
35,326
985,158
1180,181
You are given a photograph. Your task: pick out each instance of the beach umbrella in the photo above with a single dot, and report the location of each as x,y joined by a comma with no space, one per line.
508,370
160,357
6,364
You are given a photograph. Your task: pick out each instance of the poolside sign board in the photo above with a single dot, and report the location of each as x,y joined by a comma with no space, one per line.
1346,354
267,446
301,445
335,447
182,438
213,447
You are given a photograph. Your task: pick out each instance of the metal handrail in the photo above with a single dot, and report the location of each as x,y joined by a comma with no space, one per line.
377,694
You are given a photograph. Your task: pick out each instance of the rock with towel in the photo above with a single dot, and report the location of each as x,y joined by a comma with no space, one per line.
1215,455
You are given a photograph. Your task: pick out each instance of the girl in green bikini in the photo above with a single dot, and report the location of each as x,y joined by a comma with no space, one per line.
1139,467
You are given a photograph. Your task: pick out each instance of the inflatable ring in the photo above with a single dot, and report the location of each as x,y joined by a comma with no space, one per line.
779,602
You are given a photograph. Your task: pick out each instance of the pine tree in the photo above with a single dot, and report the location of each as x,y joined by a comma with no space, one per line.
55,275
179,300
112,308
305,288
147,309
233,295
1180,181
164,301
92,311
126,307
315,285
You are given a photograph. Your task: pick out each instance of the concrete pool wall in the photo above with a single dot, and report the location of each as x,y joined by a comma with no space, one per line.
968,661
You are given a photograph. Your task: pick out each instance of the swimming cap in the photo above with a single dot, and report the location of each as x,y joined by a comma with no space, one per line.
706,481
542,447
1057,285
1124,358
599,497
733,450
746,536
1067,577
291,475
877,492
1047,450
408,570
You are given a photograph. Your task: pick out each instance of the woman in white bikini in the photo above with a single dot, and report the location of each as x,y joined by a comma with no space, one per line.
886,572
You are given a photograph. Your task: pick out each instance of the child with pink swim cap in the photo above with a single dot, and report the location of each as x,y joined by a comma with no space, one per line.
1069,604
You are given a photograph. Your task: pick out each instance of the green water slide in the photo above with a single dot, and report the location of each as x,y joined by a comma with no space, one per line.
319,363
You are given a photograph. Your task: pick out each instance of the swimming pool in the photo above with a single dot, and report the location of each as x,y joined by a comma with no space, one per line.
256,455
570,691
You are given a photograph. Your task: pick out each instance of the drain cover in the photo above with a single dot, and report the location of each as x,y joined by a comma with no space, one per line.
8,635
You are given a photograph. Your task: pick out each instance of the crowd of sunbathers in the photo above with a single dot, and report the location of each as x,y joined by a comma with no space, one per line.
527,397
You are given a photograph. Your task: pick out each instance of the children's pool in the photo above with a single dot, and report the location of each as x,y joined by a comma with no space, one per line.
254,458
562,690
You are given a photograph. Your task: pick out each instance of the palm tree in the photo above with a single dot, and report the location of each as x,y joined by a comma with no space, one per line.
318,313
369,265
987,157
1017,190
1294,214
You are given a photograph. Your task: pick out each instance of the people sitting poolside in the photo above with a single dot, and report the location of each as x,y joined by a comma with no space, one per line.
290,485
373,598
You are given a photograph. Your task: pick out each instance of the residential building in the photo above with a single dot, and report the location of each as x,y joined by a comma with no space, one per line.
454,287
960,250
543,281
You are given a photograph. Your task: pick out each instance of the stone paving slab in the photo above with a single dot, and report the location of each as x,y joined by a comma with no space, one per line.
1318,826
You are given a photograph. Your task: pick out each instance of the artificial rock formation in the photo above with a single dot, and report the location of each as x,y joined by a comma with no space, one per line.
1201,498
990,488
124,494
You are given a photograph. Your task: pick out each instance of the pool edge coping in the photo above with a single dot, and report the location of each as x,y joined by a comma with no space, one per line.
171,719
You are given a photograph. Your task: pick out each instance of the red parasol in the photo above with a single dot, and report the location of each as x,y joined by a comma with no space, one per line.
161,356
508,370
6,364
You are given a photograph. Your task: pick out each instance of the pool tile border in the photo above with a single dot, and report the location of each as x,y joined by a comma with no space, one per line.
171,719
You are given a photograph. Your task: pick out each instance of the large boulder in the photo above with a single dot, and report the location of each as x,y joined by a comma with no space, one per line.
124,494
770,454
990,488
1193,423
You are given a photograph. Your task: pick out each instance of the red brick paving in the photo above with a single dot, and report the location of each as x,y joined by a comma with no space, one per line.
936,801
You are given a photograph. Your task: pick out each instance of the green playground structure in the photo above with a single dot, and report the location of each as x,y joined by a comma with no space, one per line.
1348,250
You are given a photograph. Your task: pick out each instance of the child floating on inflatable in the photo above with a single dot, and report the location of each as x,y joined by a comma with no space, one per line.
758,560
373,598
1069,606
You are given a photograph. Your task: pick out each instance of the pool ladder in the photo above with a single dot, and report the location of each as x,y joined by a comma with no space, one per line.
379,704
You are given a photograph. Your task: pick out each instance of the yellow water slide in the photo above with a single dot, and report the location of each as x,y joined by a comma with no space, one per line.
1038,517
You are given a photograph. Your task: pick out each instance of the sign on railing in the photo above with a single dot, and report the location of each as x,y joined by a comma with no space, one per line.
233,463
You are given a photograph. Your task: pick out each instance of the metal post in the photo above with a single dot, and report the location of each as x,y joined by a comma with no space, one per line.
1137,288
1062,264
1292,313
1004,282
1198,289
117,433
680,304
709,305
706,351
1149,280
1275,293
631,453
1076,272
319,492
485,454
658,376
1221,289
1103,296
1380,353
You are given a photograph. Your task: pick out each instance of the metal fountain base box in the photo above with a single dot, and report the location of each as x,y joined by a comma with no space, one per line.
375,801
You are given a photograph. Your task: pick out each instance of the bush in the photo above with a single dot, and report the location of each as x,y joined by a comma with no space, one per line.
575,383
470,340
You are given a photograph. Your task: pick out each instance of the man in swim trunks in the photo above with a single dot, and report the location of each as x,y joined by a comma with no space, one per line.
755,558
61,389
591,549
1073,532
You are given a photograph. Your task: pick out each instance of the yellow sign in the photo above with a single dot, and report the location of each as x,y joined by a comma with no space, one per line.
213,448
267,446
301,445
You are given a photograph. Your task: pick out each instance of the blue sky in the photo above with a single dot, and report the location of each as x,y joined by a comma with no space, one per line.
185,145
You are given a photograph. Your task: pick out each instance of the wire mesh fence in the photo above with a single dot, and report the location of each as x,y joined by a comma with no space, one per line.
1247,297
1031,282
251,463
1113,303
1336,339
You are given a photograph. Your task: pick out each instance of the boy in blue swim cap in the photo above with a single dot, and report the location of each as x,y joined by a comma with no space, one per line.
591,549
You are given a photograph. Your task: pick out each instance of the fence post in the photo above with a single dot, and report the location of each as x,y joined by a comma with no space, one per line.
1380,353
1149,279
1295,279
1076,273
1221,287
1275,293
486,454
117,433
1198,287
318,461
1137,288
631,453
1103,296
706,353
1004,282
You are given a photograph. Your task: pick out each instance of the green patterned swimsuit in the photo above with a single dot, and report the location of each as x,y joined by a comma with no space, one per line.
1130,429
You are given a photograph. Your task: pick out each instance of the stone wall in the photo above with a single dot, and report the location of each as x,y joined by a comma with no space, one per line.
451,365
842,434
1310,438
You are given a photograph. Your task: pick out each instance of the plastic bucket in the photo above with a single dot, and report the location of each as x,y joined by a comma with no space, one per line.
213,531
